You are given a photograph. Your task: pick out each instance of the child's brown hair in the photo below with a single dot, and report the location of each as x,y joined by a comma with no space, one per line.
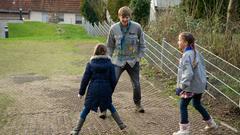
125,11
100,49
187,36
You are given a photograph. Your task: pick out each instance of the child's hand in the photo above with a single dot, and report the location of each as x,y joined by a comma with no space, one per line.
178,91
80,96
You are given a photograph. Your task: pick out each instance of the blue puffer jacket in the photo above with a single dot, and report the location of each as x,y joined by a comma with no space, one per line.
100,78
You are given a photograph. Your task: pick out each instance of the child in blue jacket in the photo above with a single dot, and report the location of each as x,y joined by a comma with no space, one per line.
191,83
100,80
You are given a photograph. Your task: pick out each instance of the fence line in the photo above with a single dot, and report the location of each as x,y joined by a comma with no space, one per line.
224,78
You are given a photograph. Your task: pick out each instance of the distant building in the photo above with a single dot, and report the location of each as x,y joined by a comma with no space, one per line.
63,11
10,9
158,5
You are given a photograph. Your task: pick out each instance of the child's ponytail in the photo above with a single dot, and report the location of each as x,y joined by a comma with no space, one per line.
195,54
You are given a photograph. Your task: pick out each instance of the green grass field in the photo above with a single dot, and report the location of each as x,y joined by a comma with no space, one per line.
40,48
48,31
43,49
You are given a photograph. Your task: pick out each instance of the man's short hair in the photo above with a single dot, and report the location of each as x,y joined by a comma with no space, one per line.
125,11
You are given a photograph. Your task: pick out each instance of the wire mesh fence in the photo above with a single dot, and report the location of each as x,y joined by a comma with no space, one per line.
224,78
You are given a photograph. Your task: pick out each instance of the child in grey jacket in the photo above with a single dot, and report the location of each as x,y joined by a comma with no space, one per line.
191,83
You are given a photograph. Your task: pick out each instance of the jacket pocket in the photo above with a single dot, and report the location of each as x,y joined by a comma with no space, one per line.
132,46
118,39
132,40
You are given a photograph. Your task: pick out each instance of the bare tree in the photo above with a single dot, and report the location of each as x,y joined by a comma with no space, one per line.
232,16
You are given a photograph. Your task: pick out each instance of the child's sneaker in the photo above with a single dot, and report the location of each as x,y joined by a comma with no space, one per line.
211,124
184,129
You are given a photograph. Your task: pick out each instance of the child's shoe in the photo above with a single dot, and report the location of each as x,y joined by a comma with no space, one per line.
103,114
74,132
78,127
184,129
118,120
211,124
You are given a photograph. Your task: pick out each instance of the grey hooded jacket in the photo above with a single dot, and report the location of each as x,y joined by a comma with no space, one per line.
192,77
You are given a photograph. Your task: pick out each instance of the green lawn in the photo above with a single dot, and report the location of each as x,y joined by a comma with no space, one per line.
45,49
48,31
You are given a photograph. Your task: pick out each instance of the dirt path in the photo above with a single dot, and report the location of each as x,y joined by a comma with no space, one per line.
49,106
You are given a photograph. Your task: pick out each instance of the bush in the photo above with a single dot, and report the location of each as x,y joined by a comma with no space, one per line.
88,12
208,32
141,11
114,5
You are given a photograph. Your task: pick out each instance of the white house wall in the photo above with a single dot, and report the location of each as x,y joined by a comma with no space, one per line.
152,11
69,18
36,16
45,17
161,4
166,3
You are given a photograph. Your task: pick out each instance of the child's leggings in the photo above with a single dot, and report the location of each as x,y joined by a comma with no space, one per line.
86,110
196,101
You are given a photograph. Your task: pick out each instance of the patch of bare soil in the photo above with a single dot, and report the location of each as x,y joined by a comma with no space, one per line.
223,110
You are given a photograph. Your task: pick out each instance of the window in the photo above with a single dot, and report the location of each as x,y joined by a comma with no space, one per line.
78,19
61,17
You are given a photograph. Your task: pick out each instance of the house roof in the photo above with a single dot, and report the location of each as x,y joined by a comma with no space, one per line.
14,5
66,6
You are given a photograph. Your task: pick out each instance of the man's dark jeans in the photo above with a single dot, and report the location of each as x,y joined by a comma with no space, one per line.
196,100
133,72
